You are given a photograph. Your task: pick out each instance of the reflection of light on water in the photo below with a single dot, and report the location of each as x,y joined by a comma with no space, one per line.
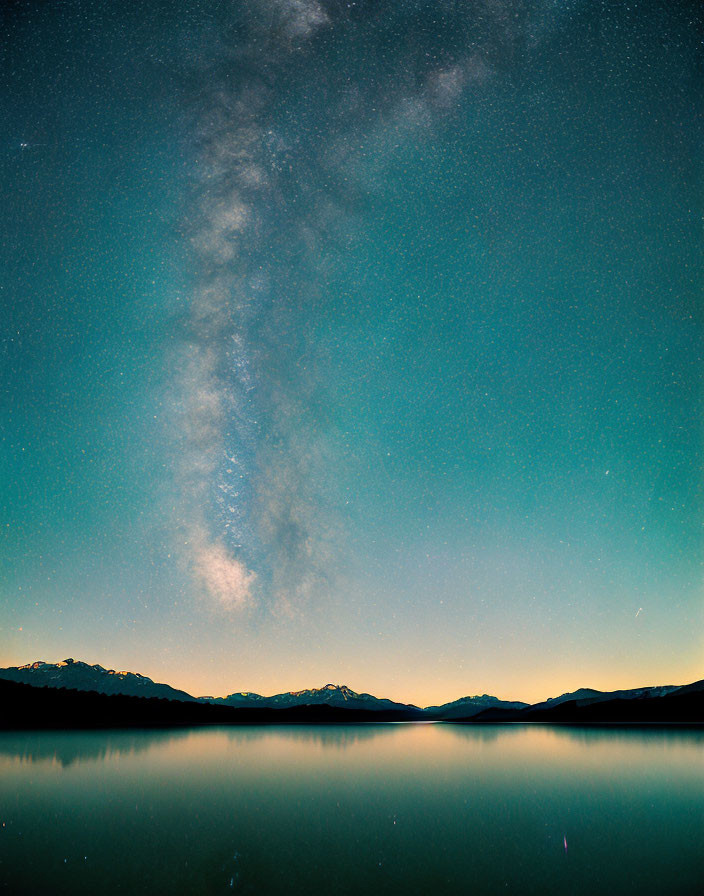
400,749
65,748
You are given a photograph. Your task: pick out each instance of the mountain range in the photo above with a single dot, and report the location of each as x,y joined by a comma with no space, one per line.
331,694
667,703
75,675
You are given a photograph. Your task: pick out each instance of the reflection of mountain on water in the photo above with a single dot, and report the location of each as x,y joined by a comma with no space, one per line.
328,736
68,748
583,736
650,734
483,733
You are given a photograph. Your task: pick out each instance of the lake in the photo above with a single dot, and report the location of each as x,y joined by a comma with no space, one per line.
397,809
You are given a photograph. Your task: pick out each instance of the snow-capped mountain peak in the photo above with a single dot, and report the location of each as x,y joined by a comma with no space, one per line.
77,675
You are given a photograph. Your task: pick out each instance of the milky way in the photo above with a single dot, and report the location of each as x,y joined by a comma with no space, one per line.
278,173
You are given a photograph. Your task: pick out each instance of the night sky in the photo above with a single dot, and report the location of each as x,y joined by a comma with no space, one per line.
354,341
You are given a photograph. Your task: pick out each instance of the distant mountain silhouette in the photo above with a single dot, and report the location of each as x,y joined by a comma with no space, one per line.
76,694
331,695
641,706
74,674
585,696
466,707
81,676
26,707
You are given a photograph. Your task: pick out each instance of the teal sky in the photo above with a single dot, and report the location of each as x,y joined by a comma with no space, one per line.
354,342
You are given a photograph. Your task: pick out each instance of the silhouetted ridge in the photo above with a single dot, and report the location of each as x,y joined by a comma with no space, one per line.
80,676
76,694
26,706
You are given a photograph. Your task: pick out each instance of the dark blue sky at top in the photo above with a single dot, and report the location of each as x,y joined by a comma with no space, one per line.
354,341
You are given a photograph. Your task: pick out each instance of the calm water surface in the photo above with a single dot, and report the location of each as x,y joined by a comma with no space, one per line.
397,809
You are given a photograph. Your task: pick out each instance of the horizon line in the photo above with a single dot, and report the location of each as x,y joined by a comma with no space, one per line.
68,661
